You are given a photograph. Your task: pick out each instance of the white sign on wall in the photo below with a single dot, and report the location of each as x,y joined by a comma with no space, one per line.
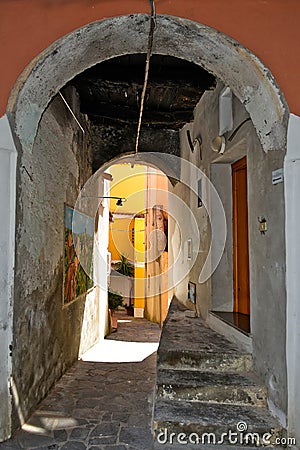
277,176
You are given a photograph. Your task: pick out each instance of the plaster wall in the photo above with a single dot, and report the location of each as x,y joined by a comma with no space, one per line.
292,219
122,285
8,159
102,261
47,336
267,252
267,271
183,231
222,281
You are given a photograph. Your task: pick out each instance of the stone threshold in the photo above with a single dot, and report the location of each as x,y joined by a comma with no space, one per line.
231,332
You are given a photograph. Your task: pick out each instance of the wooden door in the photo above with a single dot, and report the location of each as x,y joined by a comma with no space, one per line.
240,238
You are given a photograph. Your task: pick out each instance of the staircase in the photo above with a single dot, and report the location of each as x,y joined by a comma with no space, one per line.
208,395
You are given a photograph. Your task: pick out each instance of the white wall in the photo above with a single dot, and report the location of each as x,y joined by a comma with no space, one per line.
102,259
122,285
222,278
292,214
8,158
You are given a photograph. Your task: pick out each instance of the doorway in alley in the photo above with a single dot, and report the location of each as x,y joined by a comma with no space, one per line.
240,244
231,296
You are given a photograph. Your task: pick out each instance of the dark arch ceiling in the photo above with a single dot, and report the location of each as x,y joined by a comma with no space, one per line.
110,94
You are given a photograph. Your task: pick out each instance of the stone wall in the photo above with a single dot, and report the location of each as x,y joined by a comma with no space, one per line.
47,336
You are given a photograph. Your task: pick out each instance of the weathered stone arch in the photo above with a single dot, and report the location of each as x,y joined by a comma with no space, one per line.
236,66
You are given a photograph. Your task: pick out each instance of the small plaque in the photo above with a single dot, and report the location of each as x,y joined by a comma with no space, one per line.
277,176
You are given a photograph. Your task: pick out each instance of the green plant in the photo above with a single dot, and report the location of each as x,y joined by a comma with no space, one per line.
114,300
125,267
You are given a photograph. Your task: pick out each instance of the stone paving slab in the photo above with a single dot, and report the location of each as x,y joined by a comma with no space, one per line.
184,331
98,406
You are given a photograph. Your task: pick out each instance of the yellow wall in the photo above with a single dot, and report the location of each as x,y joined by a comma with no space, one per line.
119,241
132,183
139,272
139,239
129,183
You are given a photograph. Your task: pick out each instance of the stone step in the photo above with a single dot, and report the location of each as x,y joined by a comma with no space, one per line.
205,361
228,424
193,385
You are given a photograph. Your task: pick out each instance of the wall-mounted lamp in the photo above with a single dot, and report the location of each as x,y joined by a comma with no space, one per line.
119,202
262,225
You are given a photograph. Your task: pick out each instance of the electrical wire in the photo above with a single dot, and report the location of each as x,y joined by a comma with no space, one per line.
238,128
72,113
149,52
83,134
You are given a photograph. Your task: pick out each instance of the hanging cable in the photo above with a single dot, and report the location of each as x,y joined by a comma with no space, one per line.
72,113
83,134
149,52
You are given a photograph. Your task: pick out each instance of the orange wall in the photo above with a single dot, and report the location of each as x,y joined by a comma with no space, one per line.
270,28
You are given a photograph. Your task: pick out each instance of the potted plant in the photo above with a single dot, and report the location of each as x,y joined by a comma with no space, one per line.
114,301
125,267
129,310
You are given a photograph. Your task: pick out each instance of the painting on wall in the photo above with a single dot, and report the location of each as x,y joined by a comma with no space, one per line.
78,255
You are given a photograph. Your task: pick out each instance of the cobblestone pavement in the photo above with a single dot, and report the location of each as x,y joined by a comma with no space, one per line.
98,405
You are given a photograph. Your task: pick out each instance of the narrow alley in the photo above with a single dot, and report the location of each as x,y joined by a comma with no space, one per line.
98,405
149,160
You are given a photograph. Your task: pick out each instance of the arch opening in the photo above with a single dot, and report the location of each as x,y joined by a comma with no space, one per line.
220,55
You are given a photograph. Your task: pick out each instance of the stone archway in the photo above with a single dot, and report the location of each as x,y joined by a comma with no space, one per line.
234,65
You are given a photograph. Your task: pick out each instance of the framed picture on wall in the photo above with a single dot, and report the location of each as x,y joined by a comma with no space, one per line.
78,252
192,292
